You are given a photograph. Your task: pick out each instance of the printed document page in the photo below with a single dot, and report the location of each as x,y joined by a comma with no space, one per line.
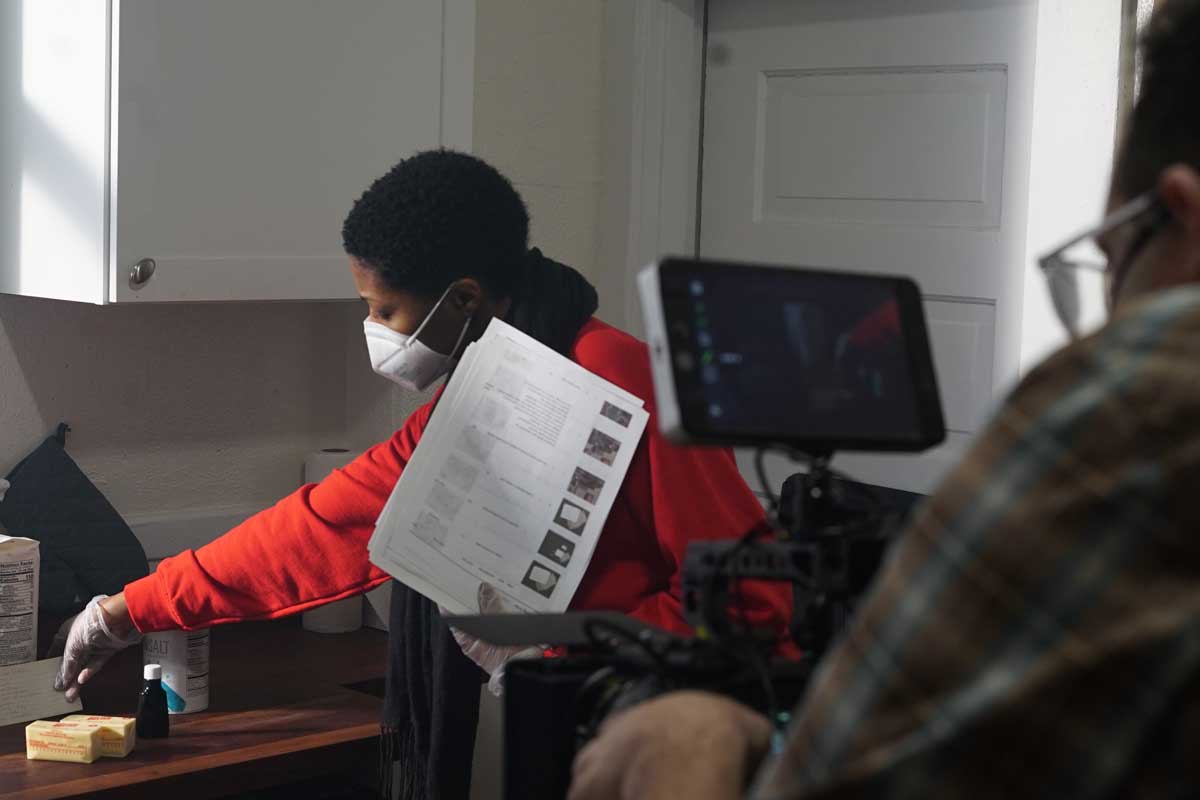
512,481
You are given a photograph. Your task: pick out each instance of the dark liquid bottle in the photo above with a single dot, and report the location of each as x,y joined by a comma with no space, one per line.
152,719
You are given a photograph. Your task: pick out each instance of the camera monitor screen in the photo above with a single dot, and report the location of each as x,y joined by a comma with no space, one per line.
820,361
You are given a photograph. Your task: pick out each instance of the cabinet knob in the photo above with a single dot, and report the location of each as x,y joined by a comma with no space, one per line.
141,273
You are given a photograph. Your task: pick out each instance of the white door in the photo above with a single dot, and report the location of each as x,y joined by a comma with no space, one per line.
887,137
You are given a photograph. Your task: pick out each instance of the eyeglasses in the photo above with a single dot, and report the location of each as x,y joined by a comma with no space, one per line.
1079,275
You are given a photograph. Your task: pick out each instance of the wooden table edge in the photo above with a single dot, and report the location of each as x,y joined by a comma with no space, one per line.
86,784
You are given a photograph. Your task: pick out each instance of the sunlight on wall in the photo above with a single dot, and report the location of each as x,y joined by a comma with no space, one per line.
54,58
62,141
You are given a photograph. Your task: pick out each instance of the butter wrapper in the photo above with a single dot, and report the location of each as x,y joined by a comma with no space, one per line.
62,741
118,735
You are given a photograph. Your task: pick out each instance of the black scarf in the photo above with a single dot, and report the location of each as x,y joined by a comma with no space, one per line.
431,708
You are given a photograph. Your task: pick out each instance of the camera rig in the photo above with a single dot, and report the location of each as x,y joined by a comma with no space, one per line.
825,535
848,366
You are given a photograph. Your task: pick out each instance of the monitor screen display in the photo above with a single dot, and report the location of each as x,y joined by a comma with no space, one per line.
791,355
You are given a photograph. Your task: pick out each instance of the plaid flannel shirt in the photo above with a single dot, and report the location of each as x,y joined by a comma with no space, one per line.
1036,631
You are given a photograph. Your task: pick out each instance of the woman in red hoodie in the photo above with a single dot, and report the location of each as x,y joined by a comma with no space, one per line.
438,247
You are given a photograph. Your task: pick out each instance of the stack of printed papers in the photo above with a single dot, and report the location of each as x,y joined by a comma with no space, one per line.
512,480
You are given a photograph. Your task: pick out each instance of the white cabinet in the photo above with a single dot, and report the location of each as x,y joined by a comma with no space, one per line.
224,140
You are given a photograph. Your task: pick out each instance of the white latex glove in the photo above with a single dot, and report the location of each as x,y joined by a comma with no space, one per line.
89,644
492,658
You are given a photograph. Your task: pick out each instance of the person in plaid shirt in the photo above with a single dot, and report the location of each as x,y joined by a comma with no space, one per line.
1036,631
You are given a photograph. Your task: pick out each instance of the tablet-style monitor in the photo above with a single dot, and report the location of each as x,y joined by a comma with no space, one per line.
816,360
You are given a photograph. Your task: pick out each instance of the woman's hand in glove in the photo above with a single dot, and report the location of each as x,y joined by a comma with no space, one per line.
492,658
90,639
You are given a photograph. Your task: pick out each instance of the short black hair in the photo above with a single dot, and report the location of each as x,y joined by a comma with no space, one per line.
436,217
1164,128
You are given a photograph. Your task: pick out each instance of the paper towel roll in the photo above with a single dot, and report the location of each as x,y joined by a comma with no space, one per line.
319,463
344,615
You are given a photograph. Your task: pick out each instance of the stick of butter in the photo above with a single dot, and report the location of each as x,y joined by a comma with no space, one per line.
62,741
118,735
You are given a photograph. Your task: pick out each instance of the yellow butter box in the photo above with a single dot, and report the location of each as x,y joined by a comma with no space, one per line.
118,735
62,741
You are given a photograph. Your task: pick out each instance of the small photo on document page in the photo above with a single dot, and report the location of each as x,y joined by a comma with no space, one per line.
476,443
557,548
430,530
541,579
444,502
617,415
602,447
572,517
585,486
459,473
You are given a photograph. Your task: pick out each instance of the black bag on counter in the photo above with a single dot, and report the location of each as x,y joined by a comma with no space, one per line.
86,548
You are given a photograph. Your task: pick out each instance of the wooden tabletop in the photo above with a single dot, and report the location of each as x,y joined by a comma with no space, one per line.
279,711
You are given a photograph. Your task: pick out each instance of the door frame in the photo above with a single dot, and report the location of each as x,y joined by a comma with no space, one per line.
664,158
1077,87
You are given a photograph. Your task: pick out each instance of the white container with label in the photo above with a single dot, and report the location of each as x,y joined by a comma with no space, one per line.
184,656
20,563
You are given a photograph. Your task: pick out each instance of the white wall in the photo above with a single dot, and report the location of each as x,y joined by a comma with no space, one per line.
538,106
543,115
174,407
540,118
616,153
1074,130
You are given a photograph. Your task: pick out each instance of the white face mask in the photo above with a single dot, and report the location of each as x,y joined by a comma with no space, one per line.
405,360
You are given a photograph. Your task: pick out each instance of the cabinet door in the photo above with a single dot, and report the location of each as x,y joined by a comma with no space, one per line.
245,129
53,108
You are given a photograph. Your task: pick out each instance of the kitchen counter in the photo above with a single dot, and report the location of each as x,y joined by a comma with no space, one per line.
286,705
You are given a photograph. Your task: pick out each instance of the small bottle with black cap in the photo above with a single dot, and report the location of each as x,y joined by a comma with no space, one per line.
153,721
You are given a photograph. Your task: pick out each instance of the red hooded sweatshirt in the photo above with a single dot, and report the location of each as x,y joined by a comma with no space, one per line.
311,547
